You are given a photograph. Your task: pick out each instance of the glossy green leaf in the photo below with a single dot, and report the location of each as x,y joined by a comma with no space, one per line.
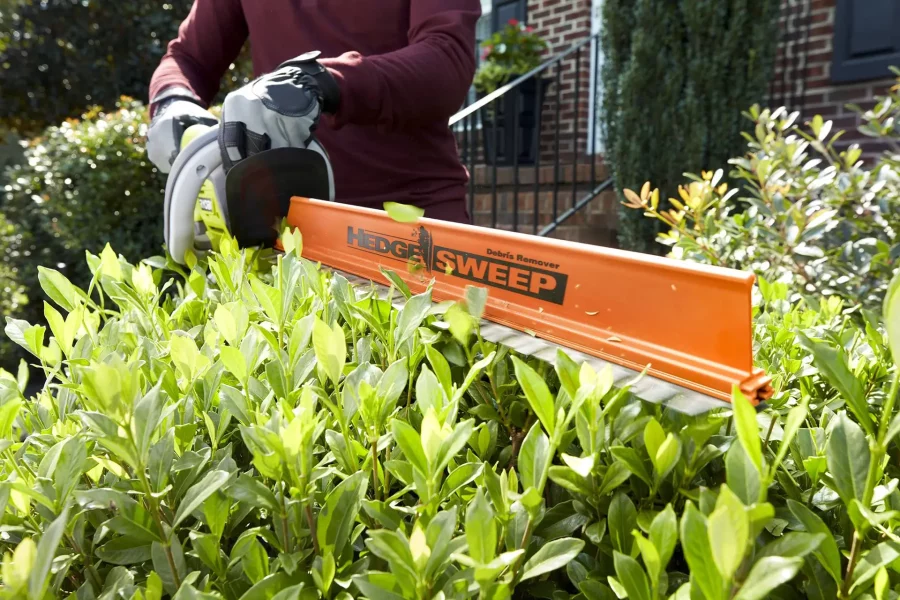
664,533
46,551
537,393
870,563
534,457
891,310
742,477
632,577
832,363
481,529
848,458
552,556
621,521
767,574
698,552
198,493
338,514
827,551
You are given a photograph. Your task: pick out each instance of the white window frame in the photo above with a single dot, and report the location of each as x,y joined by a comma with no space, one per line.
595,103
482,32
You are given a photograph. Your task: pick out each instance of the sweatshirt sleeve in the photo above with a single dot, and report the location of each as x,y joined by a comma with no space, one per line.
208,41
425,82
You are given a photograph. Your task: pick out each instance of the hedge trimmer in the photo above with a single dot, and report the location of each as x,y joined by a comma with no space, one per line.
687,326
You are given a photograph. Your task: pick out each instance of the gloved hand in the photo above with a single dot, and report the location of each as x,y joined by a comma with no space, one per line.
172,118
277,110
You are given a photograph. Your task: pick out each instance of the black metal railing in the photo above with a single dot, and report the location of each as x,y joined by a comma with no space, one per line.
531,121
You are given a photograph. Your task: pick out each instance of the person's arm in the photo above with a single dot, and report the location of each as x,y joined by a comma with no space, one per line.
424,82
208,41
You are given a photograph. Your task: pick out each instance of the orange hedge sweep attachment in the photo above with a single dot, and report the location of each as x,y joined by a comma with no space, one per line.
688,325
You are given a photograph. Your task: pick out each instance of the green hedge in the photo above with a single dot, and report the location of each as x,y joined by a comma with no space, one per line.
676,76
279,434
81,185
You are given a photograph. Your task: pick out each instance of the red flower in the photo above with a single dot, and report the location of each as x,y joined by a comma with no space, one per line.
514,22
485,52
529,29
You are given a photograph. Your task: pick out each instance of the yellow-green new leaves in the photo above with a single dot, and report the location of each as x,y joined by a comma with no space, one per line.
232,320
58,288
142,280
188,359
747,428
64,329
234,362
292,241
664,450
18,565
403,213
729,533
331,349
109,264
110,388
892,317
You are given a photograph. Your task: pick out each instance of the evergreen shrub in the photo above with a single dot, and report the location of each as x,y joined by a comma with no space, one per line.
676,75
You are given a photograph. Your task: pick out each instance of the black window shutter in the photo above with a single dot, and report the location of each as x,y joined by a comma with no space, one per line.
866,39
504,10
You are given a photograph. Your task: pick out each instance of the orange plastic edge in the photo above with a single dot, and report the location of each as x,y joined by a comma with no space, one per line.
690,324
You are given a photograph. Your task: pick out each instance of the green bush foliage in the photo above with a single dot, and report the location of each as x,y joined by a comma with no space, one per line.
82,184
676,74
806,214
12,294
237,433
59,57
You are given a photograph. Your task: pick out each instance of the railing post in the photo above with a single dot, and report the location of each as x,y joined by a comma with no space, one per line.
494,120
515,151
575,123
536,140
556,143
470,145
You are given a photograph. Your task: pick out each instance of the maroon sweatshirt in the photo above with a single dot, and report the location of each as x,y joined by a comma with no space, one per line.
404,68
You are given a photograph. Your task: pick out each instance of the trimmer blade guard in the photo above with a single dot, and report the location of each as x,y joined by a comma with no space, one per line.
688,325
259,191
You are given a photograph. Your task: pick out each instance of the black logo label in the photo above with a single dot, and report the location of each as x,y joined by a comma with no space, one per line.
500,269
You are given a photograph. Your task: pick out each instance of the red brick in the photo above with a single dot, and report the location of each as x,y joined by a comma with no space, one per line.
848,94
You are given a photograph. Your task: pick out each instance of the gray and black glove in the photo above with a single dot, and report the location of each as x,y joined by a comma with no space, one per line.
175,110
277,110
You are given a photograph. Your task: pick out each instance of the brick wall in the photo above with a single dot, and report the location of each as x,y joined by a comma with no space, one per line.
803,73
563,23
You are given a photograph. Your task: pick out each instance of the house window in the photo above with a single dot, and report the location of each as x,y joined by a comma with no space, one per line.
866,39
